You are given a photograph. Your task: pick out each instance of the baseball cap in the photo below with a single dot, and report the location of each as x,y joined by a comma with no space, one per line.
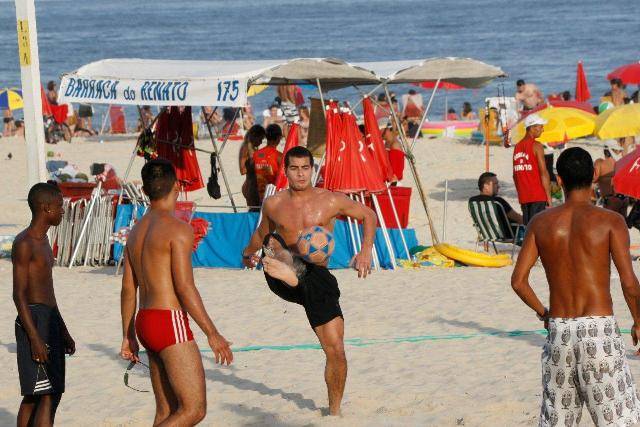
534,119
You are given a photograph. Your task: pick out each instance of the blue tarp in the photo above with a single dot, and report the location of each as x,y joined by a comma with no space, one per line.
229,233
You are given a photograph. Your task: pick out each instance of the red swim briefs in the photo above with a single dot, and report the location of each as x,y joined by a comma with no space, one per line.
158,329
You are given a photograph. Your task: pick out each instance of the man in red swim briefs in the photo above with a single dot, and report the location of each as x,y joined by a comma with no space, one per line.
157,261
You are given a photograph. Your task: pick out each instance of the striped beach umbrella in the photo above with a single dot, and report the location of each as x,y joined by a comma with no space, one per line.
10,99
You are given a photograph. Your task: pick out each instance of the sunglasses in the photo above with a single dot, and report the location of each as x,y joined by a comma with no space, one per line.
126,376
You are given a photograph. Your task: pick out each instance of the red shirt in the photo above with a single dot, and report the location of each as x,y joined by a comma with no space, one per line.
396,158
267,163
526,173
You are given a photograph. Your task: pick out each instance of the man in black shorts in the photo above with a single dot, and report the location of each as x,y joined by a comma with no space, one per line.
42,337
285,215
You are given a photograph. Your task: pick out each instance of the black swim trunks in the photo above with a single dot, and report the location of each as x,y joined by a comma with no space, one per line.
41,378
317,292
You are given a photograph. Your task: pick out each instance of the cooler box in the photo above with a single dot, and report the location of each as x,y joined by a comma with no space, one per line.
402,199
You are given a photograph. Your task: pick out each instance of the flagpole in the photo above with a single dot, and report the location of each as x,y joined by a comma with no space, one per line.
31,87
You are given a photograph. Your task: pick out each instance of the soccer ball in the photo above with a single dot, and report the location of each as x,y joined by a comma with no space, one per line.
316,245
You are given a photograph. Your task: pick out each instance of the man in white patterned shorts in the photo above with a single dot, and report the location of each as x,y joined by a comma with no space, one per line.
583,360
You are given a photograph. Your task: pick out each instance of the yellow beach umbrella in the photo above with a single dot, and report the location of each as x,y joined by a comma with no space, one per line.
563,123
619,122
256,89
10,99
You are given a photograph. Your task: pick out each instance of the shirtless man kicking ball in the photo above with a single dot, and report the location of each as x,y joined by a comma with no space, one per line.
583,360
285,216
157,261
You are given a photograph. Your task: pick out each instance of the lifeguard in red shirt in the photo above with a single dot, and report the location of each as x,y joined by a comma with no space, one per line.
267,160
530,173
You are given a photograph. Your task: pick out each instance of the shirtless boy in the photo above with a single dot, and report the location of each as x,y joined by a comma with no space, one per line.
157,262
42,337
583,360
284,216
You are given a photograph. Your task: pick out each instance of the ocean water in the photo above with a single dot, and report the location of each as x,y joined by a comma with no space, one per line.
539,41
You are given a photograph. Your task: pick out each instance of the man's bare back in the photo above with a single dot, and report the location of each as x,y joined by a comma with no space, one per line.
575,242
149,251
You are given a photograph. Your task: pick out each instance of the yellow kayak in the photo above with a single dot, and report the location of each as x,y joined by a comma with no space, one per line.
478,259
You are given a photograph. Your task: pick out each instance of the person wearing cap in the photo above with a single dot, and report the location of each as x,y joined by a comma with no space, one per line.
530,173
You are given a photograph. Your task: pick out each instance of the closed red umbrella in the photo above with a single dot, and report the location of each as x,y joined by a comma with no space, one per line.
333,131
627,176
582,88
373,139
292,141
358,169
629,74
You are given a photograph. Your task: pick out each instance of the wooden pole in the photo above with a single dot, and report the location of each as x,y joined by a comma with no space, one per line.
31,87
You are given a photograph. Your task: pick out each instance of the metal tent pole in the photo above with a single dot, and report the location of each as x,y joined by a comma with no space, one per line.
400,229
215,148
392,255
314,181
374,252
424,115
414,171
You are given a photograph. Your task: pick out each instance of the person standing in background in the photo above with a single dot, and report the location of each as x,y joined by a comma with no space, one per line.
530,173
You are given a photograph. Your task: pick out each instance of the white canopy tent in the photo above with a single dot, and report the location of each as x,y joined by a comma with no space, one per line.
225,83
198,83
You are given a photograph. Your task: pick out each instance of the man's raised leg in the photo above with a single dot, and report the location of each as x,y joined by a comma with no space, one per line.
331,336
166,402
183,366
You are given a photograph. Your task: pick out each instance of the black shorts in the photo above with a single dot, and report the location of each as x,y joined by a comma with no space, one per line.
317,292
529,210
41,378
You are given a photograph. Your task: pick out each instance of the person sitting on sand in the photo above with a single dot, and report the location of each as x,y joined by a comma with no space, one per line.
285,216
451,114
157,264
42,338
489,187
584,359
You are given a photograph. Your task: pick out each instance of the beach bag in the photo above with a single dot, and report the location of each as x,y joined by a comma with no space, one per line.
213,188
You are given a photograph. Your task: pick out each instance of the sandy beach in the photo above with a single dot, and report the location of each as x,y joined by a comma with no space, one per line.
436,347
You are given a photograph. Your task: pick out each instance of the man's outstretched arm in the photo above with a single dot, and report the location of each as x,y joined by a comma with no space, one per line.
619,244
520,277
358,211
188,295
255,242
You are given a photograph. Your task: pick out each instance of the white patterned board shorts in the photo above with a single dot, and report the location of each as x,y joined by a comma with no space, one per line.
584,363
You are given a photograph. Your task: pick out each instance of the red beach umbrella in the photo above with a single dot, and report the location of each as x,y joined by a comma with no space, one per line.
584,106
334,129
442,85
292,141
627,177
582,88
629,74
373,140
359,171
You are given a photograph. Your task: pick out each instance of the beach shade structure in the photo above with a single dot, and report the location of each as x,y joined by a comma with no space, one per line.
618,122
292,141
629,73
373,139
582,88
441,85
10,99
627,177
563,124
174,142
